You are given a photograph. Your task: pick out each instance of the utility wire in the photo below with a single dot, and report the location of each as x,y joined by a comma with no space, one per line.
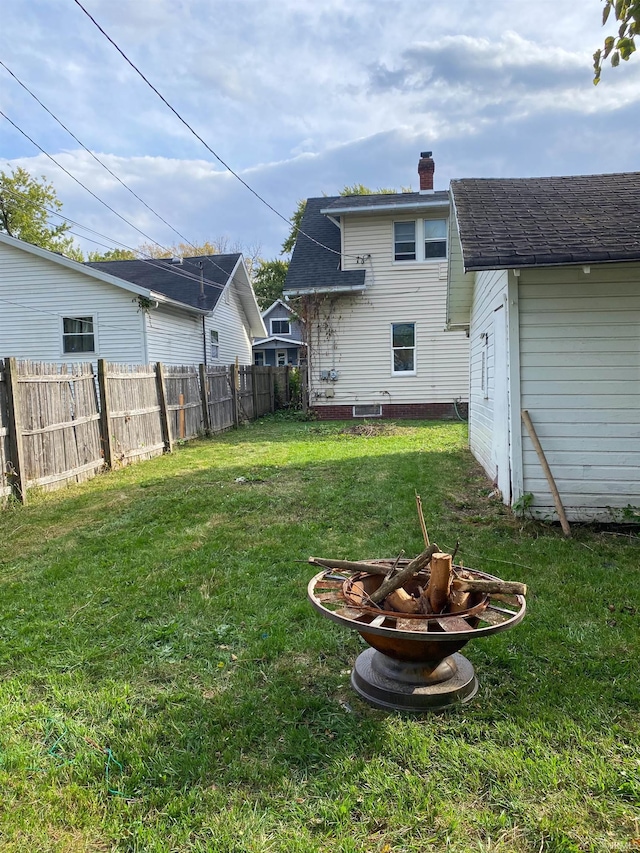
79,182
200,139
95,157
149,259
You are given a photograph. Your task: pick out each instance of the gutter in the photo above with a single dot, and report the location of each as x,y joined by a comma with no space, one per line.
412,205
308,291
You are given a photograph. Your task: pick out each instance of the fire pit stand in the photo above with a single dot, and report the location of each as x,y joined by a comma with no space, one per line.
413,663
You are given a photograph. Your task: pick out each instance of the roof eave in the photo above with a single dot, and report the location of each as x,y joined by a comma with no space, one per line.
307,291
386,208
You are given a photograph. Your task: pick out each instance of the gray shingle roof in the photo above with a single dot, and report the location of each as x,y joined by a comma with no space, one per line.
383,200
177,281
312,266
524,222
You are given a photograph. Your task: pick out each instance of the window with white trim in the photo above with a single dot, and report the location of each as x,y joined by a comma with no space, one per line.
215,344
78,335
280,327
403,348
258,358
420,240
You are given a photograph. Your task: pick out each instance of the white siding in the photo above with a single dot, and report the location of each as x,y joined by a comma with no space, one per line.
36,293
352,334
174,337
580,381
489,294
460,293
234,335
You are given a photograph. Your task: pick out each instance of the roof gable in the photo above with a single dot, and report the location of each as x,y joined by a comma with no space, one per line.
315,263
525,222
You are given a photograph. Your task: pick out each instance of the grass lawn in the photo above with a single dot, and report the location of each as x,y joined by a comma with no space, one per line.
166,686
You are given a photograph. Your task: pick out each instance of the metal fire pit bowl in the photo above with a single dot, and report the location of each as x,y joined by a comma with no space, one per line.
413,663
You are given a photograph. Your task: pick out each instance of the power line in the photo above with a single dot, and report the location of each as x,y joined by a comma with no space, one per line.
150,260
200,139
95,157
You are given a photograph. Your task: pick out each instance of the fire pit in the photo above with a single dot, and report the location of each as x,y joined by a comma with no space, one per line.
413,662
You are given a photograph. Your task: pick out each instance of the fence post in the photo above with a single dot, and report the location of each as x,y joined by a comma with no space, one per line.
287,386
164,411
272,388
254,390
204,395
105,413
18,475
235,389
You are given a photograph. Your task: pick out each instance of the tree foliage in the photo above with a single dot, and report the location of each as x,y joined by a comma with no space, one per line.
25,206
268,281
113,255
627,14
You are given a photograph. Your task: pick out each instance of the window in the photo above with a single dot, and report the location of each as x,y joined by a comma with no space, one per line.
77,335
421,240
403,345
281,358
280,327
365,410
258,358
435,238
215,344
404,237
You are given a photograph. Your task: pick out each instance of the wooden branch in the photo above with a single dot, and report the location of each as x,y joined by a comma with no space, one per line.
547,472
405,574
488,586
349,566
423,526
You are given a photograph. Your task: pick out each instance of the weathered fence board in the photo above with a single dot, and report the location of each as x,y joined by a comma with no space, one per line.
62,424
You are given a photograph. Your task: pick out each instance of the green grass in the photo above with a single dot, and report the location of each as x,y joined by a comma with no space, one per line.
165,685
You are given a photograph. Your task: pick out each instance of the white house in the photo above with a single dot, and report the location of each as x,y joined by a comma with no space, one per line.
369,276
545,276
284,342
57,310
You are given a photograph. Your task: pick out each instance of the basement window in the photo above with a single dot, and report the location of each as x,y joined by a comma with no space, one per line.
372,410
78,335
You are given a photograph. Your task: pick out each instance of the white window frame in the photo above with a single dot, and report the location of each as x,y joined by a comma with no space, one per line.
421,240
395,372
280,320
259,353
94,333
214,343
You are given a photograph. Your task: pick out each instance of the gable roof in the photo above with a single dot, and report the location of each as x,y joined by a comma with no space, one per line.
526,222
98,274
180,282
380,202
281,302
315,266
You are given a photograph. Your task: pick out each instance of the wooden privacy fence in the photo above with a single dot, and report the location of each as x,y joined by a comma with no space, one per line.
61,423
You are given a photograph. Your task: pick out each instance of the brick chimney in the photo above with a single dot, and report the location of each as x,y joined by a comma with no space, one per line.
426,168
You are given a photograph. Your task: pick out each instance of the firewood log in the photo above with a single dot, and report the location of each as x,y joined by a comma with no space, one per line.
404,575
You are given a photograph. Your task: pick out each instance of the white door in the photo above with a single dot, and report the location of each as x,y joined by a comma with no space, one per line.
500,451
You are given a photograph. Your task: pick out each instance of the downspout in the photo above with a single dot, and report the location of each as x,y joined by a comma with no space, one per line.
201,303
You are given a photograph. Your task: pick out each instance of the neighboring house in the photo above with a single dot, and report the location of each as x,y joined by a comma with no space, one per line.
57,310
369,277
547,283
284,342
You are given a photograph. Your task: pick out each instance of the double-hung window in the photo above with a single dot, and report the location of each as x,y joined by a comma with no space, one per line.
215,344
420,240
280,327
78,335
403,348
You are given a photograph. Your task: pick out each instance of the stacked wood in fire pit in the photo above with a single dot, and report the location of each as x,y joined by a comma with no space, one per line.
428,584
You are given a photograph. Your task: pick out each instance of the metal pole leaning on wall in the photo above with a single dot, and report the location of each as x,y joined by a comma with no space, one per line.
18,475
105,413
204,393
164,409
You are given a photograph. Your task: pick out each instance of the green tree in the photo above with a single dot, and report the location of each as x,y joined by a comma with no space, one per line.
113,255
627,14
25,206
268,281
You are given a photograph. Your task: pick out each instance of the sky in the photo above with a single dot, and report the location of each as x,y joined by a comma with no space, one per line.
299,98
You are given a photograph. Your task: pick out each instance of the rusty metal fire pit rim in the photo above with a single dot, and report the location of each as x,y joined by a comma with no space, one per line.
511,618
